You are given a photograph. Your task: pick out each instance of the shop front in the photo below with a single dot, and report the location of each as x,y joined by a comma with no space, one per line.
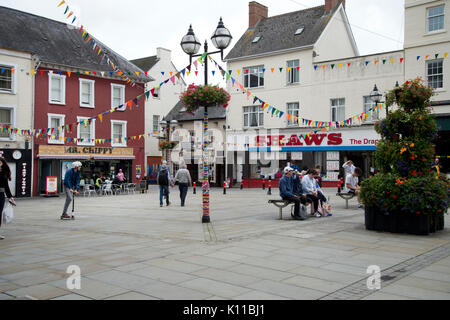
19,161
54,161
263,155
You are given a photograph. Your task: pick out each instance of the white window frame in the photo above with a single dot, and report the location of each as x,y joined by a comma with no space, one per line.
293,123
428,19
63,88
260,75
13,77
12,136
91,83
153,123
337,107
366,107
290,74
122,102
124,133
259,111
88,144
62,118
441,74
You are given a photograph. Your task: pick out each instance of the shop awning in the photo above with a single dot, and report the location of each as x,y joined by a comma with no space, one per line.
63,157
114,157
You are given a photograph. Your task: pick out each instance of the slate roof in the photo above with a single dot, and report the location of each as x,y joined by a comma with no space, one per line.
54,43
218,112
278,32
146,64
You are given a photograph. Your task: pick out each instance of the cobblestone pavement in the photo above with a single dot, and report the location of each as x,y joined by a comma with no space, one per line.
127,247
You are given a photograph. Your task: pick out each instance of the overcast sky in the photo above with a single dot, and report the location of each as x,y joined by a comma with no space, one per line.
135,28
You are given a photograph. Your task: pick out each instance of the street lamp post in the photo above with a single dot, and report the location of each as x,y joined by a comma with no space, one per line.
190,45
168,126
376,95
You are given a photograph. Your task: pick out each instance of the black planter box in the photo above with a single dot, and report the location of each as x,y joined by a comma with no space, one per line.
400,222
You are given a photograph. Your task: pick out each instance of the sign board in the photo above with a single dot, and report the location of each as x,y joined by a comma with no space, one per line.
45,150
297,155
333,156
332,176
332,165
52,185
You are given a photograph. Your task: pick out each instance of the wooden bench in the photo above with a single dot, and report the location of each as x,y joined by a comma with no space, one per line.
280,204
346,197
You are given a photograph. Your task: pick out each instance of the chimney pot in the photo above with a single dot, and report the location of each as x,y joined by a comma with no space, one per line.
330,4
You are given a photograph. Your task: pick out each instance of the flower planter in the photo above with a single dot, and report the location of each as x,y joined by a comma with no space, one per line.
399,222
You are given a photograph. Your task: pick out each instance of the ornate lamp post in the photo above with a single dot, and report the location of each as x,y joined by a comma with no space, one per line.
168,127
376,95
190,45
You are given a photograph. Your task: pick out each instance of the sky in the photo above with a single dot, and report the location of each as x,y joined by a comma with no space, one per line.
135,28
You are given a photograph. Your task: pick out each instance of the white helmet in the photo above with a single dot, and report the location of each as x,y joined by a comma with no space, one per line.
77,164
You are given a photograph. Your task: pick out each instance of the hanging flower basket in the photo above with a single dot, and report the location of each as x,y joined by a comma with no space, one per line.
167,145
203,96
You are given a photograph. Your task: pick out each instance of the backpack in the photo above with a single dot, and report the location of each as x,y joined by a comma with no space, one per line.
163,179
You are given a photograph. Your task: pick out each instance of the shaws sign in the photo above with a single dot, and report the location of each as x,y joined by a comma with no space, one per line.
331,139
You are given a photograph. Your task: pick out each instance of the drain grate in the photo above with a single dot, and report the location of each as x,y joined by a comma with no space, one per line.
359,290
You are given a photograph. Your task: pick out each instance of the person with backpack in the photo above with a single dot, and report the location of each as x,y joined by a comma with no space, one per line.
164,181
183,177
71,184
5,192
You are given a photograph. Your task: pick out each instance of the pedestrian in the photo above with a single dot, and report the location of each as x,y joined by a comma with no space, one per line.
309,187
436,167
164,181
278,175
183,177
352,185
5,192
297,188
71,184
349,167
121,176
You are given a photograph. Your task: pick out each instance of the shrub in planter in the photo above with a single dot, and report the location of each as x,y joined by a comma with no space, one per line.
198,96
408,195
167,145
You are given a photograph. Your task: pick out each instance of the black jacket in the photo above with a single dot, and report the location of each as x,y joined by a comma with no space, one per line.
4,184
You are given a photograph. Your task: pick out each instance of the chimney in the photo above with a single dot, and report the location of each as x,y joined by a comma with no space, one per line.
330,4
163,54
256,12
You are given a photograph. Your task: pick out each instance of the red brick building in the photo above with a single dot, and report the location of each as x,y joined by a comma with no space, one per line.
73,85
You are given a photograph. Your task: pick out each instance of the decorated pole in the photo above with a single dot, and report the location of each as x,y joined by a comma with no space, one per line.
205,186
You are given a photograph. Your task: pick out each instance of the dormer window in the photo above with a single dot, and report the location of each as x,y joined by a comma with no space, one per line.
299,31
256,39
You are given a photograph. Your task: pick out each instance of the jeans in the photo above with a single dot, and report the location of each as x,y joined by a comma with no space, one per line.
315,201
163,191
183,192
297,202
2,205
69,197
322,198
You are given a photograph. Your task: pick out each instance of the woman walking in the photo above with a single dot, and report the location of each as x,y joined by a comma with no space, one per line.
184,179
5,192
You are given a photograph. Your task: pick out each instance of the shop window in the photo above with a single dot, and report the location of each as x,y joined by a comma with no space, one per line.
6,79
57,89
253,117
369,104
86,132
435,18
87,93
337,110
293,109
118,96
6,118
293,74
56,121
435,74
254,77
118,133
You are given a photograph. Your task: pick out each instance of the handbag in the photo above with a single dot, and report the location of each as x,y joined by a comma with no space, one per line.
8,213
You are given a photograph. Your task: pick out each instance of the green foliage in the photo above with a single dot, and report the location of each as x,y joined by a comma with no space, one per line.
392,193
197,96
404,156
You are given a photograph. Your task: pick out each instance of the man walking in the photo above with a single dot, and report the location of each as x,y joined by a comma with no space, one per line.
71,183
164,182
184,180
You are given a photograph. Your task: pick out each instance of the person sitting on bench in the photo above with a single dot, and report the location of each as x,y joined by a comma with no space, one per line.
352,185
309,187
297,188
287,191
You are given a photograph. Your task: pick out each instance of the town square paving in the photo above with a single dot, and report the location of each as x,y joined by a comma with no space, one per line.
128,248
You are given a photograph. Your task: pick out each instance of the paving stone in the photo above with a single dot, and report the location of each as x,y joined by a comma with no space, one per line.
325,286
263,273
174,265
167,291
259,295
324,274
164,275
431,275
132,296
214,287
92,288
286,290
120,279
416,293
429,284
72,297
225,255
226,276
41,292
385,296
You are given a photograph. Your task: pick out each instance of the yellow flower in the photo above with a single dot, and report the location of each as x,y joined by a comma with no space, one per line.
403,150
412,145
